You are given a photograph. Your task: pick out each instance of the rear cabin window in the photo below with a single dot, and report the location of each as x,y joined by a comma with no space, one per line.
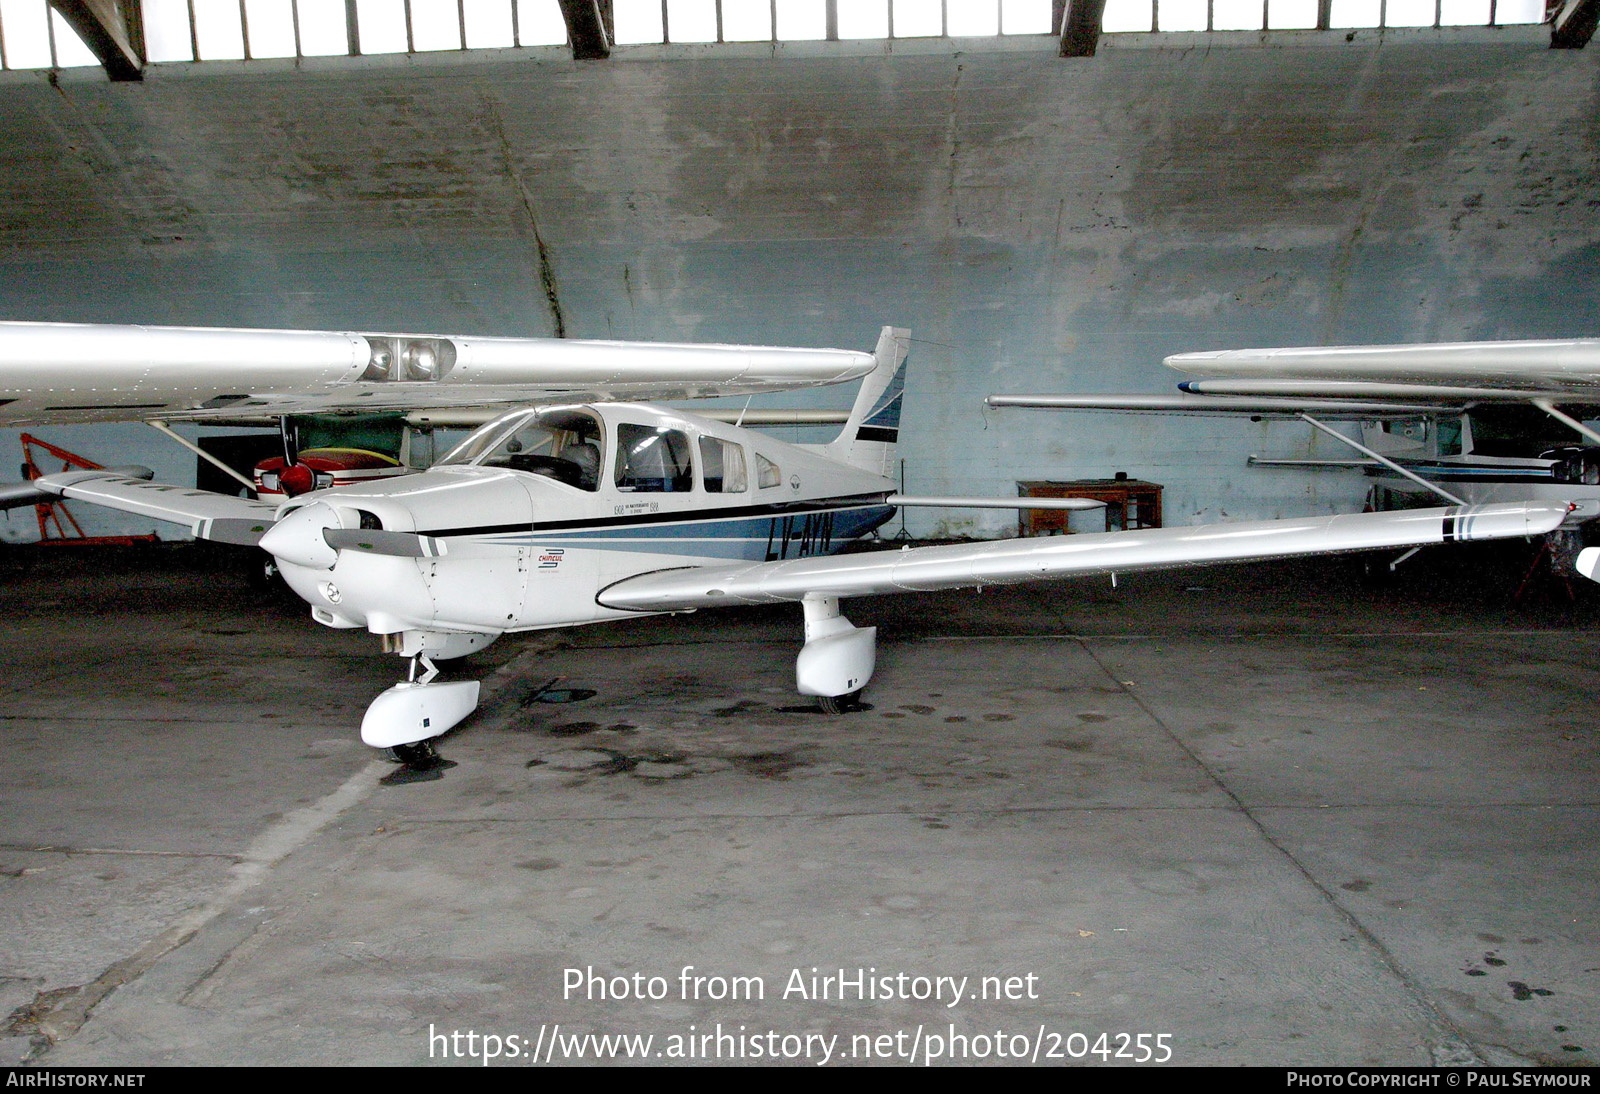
722,465
652,459
1449,434
768,474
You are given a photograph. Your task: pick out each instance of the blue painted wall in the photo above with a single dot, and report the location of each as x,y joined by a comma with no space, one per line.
1040,224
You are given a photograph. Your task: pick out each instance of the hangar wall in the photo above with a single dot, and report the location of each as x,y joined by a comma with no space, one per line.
1040,224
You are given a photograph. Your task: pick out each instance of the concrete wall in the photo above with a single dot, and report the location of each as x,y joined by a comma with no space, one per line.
1041,224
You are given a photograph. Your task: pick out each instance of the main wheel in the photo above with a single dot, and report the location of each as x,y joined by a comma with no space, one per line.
839,704
419,757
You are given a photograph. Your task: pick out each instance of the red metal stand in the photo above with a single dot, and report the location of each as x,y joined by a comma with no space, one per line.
50,514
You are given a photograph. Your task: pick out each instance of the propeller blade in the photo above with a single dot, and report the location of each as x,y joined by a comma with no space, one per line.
376,542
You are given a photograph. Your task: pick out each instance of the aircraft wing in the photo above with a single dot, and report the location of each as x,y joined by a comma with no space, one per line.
1563,369
221,518
1005,562
1242,406
68,372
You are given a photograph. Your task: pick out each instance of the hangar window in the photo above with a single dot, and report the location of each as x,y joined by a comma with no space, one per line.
213,30
1179,15
643,21
33,35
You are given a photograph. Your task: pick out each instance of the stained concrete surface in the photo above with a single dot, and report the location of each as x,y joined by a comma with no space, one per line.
1274,814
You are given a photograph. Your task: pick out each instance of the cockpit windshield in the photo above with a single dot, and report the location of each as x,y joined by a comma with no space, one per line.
562,443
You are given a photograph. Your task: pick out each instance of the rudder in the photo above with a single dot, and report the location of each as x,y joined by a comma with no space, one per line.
872,431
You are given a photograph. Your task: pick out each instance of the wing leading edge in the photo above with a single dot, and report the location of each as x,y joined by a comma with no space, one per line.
923,569
1253,406
221,518
73,372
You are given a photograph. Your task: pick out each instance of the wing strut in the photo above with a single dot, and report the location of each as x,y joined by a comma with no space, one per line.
1564,418
1390,464
165,429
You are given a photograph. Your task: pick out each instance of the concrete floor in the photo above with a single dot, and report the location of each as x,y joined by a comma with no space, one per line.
1273,815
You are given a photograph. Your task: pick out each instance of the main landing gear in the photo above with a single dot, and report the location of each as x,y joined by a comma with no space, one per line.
839,704
838,658
407,717
419,763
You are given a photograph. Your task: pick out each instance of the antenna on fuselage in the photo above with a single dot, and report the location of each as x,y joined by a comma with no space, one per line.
742,411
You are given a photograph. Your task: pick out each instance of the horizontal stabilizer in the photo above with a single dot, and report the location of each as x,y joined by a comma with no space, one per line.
935,502
1004,562
14,495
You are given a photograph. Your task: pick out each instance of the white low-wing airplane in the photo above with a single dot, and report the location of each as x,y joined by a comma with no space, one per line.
586,509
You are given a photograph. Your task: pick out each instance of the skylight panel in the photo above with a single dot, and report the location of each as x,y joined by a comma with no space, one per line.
539,23
1237,14
435,25
1409,13
692,20
748,20
270,27
1464,13
1291,14
1127,16
864,19
488,24
972,18
382,26
1182,15
918,19
218,29
1355,13
1025,17
638,21
1509,12
323,30
802,20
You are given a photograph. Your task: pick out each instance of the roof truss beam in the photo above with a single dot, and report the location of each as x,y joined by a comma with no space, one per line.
1079,21
1574,24
112,29
588,28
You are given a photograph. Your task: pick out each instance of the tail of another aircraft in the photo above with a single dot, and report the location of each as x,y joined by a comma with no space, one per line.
869,436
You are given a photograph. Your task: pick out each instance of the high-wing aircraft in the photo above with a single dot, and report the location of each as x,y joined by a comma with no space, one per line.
583,509
1471,422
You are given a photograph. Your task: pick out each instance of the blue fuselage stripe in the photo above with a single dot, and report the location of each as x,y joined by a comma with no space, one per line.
750,538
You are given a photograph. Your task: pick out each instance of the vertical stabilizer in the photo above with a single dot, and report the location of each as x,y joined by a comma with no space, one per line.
869,437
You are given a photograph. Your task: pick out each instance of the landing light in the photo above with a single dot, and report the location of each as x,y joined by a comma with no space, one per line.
423,359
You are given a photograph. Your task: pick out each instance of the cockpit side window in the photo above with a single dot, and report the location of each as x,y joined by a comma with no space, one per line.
722,465
479,441
559,443
653,459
